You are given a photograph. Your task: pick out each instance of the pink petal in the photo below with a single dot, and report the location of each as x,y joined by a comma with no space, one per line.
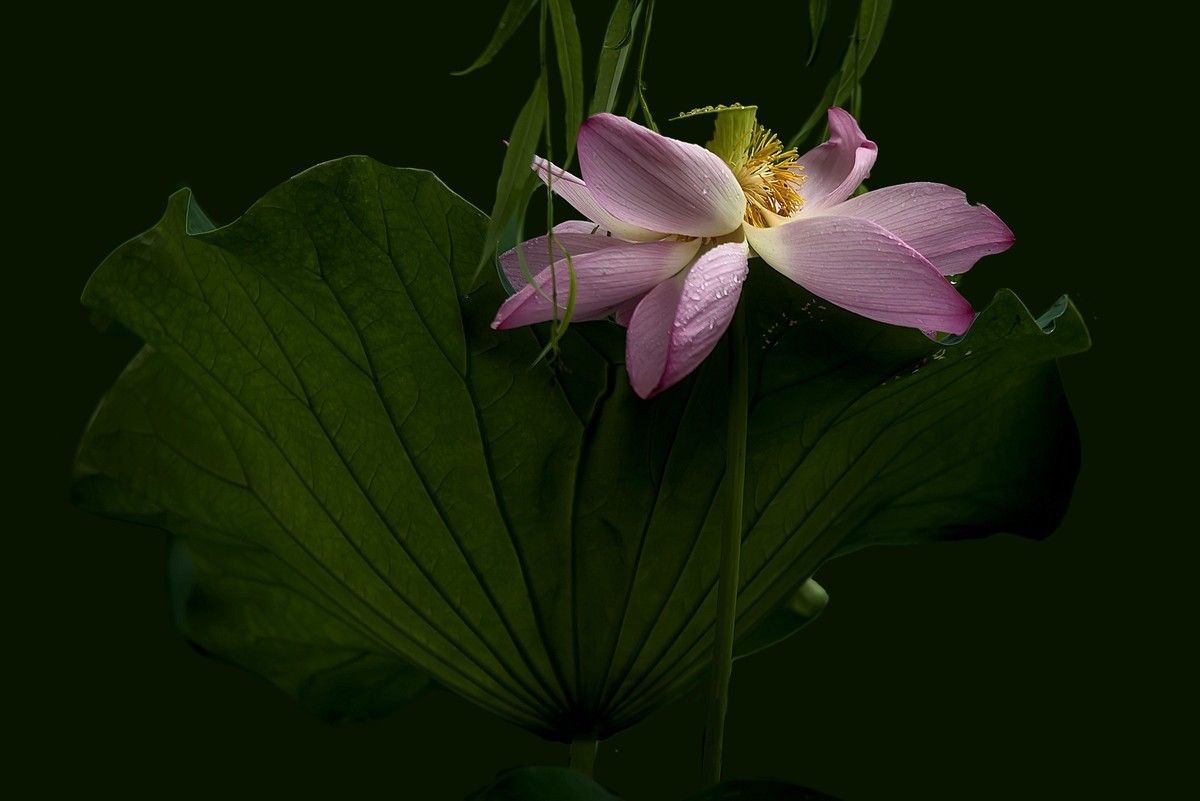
935,220
573,236
624,313
575,191
604,279
663,184
836,167
680,321
864,268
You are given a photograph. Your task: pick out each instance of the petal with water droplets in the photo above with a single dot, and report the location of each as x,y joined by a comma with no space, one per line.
935,220
863,268
679,322
604,279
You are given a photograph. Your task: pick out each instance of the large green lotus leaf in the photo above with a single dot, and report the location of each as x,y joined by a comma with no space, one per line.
542,784
369,485
760,790
562,784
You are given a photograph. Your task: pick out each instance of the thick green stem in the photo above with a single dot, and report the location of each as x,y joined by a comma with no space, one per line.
582,757
731,551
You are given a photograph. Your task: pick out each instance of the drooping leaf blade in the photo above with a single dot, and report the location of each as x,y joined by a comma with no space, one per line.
818,10
614,55
569,52
868,33
517,178
514,14
541,541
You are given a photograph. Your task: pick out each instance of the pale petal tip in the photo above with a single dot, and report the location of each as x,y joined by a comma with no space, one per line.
1004,235
963,321
840,115
498,322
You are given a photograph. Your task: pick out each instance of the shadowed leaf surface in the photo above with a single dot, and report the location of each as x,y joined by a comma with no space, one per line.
369,485
542,784
760,790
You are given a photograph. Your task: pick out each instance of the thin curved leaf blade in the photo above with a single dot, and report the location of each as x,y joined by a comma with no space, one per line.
569,52
614,55
514,14
539,540
818,10
517,178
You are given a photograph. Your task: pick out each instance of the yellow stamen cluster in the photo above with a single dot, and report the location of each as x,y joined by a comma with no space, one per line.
770,178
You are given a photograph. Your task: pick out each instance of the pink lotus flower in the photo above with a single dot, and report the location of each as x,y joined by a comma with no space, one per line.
671,227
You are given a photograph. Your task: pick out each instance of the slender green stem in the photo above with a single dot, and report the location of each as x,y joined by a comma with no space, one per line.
582,757
731,550
639,87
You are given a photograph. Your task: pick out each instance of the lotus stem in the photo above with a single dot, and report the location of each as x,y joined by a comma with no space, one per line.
731,549
582,757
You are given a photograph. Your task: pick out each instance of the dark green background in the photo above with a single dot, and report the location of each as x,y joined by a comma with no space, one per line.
994,669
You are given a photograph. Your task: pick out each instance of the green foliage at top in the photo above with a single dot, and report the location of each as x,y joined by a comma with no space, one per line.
846,83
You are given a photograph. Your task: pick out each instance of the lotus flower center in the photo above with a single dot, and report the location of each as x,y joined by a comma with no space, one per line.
770,178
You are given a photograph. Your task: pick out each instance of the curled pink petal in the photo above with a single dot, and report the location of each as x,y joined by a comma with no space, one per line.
835,168
650,180
935,220
573,236
575,191
862,267
604,279
680,321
